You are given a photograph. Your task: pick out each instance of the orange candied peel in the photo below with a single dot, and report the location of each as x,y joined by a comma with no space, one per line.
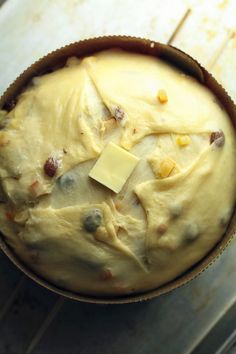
118,205
10,215
162,228
33,188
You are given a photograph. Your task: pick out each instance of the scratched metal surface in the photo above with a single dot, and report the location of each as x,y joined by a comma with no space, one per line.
197,318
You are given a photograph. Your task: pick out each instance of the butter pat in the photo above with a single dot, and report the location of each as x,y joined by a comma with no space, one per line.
113,167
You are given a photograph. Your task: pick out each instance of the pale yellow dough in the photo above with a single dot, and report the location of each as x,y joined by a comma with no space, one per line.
171,211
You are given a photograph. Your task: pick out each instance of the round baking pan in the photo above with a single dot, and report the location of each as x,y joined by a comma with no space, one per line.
174,56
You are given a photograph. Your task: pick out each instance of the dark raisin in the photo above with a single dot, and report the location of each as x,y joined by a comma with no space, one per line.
51,166
66,181
218,138
93,220
119,113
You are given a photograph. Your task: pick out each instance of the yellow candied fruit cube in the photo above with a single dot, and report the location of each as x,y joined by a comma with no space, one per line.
166,167
162,96
183,140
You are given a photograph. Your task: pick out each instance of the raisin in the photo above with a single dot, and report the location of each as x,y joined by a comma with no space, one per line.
218,138
162,228
51,166
93,220
119,113
66,181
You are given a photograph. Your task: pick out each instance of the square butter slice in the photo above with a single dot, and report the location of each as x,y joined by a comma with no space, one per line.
113,167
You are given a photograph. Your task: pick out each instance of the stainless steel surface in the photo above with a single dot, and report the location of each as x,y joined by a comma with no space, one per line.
197,318
229,346
222,337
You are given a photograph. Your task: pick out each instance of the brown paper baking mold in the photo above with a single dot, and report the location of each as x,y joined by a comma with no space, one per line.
57,59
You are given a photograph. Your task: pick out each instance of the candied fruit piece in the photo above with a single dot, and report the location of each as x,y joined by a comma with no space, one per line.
161,229
183,140
162,96
34,188
10,215
166,167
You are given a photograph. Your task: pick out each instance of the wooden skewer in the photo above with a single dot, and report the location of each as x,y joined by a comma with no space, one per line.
179,26
12,297
220,50
48,320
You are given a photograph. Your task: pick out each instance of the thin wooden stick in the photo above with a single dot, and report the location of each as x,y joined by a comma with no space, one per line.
48,320
12,297
221,49
179,26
